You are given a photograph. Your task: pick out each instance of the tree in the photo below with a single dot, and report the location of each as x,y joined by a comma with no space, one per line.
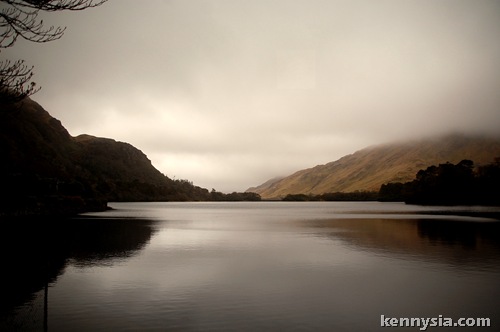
449,184
19,19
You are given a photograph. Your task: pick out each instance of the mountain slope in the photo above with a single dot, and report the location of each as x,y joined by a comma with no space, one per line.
46,171
369,168
266,185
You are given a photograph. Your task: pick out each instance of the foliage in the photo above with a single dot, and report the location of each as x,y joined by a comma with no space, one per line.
448,184
335,196
299,198
233,197
350,196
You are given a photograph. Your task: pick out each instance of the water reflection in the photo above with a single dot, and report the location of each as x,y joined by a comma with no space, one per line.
470,244
465,234
34,253
252,267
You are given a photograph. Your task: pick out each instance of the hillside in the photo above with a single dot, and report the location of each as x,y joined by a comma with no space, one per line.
266,185
46,171
369,168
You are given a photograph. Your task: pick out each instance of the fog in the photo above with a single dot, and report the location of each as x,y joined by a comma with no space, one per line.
230,93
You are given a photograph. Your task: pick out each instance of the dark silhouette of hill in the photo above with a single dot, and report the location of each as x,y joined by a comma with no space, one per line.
369,168
46,171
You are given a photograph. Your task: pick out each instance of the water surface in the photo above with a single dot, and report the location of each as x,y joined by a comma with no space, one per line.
253,266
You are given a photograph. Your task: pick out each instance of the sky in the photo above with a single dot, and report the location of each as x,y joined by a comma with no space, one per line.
230,93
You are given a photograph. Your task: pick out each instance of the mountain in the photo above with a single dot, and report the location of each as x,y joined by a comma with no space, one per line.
266,185
369,168
46,171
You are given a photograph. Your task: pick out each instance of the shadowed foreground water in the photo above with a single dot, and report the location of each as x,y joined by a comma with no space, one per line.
266,266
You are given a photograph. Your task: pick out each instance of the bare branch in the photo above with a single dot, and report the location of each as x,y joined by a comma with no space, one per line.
16,23
56,5
19,19
15,80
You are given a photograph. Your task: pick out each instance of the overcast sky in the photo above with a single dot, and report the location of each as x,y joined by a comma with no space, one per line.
230,93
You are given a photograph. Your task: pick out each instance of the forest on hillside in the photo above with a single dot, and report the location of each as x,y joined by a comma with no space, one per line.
449,184
444,184
334,196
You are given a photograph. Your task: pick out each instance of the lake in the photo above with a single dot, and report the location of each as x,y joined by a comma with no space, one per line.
253,266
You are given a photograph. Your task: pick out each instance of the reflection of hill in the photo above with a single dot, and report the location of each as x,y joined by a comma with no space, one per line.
446,241
35,252
96,241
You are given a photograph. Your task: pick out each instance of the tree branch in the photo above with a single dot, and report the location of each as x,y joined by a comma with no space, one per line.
15,80
19,19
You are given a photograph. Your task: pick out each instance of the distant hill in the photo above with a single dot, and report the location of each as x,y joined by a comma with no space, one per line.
369,168
46,171
266,185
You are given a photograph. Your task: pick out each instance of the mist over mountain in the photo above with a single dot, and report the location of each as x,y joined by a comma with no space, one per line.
46,171
369,168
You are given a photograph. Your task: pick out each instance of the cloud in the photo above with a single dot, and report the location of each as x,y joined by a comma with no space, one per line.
229,93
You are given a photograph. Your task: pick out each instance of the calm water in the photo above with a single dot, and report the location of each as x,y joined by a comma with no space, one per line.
266,266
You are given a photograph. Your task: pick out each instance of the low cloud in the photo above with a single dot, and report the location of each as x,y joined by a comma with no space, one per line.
230,93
